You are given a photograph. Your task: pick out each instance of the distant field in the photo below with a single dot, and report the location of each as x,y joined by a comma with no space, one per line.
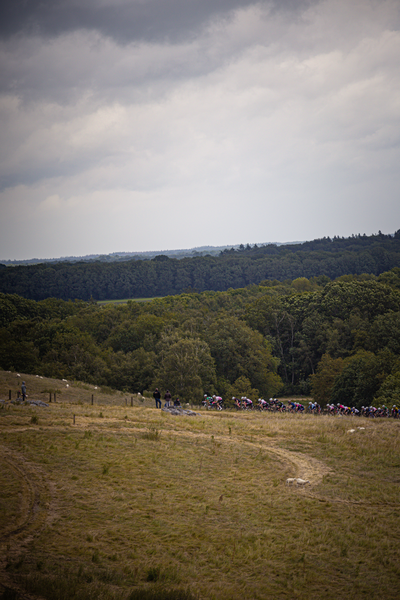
128,502
125,300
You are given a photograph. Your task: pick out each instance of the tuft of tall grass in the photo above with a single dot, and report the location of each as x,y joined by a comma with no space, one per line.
9,594
162,574
67,586
152,433
162,593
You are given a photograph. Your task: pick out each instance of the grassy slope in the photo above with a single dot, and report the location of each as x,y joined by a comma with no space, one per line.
139,499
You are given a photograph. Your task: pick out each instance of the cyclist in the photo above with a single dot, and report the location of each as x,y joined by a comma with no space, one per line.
217,402
262,404
248,404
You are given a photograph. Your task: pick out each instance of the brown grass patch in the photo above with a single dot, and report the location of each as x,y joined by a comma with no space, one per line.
148,505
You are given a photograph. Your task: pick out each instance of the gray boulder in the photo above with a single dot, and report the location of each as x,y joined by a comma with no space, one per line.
36,402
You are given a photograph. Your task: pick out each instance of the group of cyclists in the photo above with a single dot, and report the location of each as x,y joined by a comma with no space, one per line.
244,403
275,405
365,411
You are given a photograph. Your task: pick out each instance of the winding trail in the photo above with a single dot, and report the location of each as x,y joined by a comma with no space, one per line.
305,467
34,504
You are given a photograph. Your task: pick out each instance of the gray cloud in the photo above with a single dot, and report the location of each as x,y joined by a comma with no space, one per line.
125,20
76,62
62,68
247,122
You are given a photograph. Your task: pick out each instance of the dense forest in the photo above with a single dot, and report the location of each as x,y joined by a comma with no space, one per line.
161,276
339,340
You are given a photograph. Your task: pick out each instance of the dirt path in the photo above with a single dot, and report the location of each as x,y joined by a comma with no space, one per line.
305,466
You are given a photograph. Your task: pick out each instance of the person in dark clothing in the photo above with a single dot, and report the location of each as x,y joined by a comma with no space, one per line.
23,391
167,398
157,398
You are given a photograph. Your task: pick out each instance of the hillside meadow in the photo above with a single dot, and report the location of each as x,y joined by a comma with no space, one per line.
116,501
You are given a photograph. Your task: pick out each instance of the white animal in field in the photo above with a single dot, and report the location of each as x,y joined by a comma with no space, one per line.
351,431
301,481
291,480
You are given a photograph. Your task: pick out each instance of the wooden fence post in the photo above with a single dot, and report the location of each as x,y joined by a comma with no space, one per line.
50,397
74,419
131,400
55,397
9,394
92,399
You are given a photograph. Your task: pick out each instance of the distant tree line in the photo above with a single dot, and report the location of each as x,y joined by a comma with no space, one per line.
339,340
161,276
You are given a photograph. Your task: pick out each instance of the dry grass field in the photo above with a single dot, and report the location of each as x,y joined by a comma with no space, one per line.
130,503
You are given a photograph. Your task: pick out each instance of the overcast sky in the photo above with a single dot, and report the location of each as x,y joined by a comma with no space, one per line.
133,125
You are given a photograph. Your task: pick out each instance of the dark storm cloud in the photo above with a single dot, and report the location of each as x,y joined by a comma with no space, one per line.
124,20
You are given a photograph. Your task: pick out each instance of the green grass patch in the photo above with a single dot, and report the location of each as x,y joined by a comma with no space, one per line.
126,300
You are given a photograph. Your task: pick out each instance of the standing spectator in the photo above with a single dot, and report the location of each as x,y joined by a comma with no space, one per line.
157,398
23,391
167,399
